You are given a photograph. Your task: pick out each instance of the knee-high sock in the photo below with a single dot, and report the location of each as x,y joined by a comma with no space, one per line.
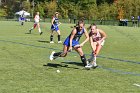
95,59
58,54
83,59
39,30
58,37
51,38
31,28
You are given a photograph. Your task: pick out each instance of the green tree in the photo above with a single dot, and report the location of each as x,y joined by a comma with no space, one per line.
26,6
51,8
104,11
113,11
3,13
39,8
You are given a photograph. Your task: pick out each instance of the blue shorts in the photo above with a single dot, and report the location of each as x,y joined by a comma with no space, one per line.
22,18
54,28
67,42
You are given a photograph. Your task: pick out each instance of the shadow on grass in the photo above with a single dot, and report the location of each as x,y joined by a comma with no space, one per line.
42,41
31,33
55,65
75,63
27,33
64,64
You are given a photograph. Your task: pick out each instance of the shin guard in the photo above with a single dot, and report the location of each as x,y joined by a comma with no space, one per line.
51,38
58,37
83,59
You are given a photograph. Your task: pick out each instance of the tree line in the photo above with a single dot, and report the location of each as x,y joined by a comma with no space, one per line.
88,9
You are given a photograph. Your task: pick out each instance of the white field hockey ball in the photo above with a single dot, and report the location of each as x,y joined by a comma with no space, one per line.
58,71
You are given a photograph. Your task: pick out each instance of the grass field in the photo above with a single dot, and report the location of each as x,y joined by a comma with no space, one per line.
25,66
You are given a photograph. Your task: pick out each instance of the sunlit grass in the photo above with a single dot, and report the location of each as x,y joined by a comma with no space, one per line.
25,66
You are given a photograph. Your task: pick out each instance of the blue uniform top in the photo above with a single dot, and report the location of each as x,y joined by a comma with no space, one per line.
76,38
22,17
55,24
56,21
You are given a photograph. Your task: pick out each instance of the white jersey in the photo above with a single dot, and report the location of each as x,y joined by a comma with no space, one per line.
37,18
96,37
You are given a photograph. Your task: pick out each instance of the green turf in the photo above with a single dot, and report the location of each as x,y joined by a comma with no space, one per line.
25,65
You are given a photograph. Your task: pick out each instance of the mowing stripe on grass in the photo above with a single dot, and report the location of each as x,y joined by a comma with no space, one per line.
109,69
23,44
121,60
120,71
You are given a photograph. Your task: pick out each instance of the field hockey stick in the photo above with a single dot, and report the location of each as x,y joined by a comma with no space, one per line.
59,24
70,50
77,46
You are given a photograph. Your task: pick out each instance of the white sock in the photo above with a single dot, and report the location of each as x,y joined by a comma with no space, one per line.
95,58
32,28
95,61
39,30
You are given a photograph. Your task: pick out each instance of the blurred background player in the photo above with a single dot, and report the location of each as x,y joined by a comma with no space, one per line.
72,41
22,18
36,23
97,38
54,27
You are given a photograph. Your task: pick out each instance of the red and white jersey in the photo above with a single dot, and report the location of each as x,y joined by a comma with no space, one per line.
36,18
96,36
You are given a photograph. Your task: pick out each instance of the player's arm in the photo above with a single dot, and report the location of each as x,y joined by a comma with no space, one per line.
52,20
35,17
103,35
87,37
59,22
40,18
91,42
71,37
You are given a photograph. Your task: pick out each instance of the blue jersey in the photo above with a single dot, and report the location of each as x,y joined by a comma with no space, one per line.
56,21
76,38
55,24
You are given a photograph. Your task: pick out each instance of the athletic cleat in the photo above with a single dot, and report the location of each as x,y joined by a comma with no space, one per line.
95,66
59,42
51,56
88,66
51,42
41,33
29,31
